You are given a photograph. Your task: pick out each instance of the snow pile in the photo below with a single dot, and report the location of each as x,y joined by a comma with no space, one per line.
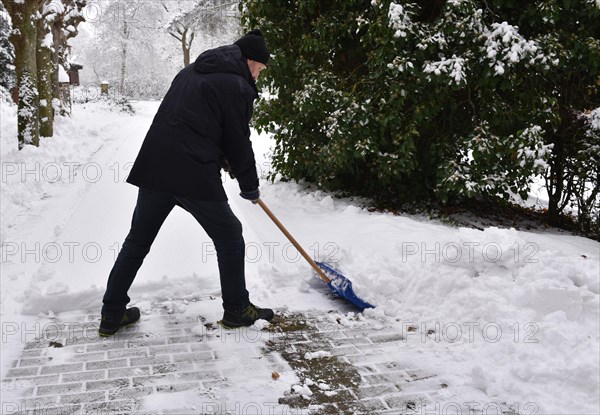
317,355
303,390
512,313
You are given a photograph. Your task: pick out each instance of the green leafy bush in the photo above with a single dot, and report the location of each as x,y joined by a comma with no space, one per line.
413,100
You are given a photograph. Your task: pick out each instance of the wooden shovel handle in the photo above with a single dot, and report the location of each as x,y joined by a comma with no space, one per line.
292,240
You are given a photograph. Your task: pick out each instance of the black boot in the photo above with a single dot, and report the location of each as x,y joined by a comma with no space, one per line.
108,328
247,317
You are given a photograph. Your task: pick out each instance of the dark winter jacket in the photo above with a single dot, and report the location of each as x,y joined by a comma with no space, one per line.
202,121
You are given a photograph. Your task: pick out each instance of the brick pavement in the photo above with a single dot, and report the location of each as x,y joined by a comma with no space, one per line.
342,369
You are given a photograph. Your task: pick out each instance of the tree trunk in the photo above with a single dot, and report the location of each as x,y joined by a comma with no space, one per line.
71,17
45,72
555,183
123,58
189,47
561,185
186,49
24,39
57,37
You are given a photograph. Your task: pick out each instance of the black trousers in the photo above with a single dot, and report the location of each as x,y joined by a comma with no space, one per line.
151,210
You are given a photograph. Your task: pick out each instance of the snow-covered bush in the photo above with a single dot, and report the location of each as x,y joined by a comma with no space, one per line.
584,175
408,100
7,52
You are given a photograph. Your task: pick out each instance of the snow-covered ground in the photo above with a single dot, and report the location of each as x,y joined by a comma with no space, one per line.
506,314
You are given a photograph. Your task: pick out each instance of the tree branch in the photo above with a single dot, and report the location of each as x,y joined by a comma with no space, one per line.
178,38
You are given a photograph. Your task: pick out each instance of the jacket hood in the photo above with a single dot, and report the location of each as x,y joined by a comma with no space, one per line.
225,59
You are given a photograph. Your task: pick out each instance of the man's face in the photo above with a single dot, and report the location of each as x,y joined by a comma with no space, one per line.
255,68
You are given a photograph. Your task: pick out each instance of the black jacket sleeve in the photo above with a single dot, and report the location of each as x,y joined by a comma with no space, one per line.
237,110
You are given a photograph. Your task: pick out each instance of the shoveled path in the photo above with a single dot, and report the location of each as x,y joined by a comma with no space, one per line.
338,368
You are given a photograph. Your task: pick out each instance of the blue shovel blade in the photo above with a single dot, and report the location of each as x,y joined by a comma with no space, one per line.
342,286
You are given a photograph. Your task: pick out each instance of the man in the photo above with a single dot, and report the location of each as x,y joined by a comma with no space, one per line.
200,127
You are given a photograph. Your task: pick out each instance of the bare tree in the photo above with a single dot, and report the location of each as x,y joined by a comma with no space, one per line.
207,16
64,26
126,47
57,24
130,24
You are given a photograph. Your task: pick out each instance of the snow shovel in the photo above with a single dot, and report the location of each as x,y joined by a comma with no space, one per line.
337,283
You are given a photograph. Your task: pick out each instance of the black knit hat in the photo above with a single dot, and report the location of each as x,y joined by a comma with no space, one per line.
253,46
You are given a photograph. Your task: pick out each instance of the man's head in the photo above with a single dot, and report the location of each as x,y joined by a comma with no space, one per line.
254,48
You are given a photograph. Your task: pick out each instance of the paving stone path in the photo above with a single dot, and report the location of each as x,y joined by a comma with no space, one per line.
341,369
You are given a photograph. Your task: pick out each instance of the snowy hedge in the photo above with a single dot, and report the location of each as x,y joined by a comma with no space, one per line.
415,100
7,52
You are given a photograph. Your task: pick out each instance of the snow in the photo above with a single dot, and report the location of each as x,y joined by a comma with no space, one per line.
507,315
62,74
302,389
48,41
52,8
505,47
454,66
594,119
324,386
501,46
399,19
316,355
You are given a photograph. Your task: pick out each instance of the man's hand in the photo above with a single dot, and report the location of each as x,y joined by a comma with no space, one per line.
251,195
